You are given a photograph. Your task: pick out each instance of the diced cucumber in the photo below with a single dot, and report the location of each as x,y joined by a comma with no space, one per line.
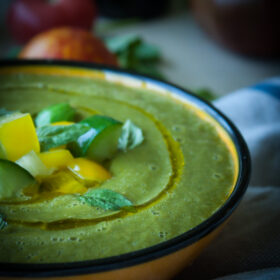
56,113
101,141
34,165
13,179
105,145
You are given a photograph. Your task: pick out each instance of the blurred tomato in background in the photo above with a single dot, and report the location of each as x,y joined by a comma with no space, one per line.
68,43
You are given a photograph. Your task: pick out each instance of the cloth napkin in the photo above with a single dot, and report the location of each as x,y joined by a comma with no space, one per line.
249,245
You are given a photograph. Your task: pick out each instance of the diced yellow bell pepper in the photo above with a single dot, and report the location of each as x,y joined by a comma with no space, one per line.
62,182
88,170
62,123
56,158
72,187
17,136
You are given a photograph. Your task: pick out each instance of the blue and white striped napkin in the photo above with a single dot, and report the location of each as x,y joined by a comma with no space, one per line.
256,112
249,246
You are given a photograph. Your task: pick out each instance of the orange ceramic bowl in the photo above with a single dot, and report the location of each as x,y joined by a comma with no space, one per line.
166,259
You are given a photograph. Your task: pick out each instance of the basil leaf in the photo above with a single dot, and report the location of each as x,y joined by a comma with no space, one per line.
206,94
148,69
3,223
134,44
131,136
135,54
105,199
50,130
122,43
147,52
55,136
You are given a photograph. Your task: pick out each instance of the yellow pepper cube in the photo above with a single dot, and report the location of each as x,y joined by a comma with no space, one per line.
62,123
17,136
62,182
88,170
56,158
73,187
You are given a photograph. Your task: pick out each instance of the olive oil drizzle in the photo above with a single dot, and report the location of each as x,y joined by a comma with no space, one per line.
175,155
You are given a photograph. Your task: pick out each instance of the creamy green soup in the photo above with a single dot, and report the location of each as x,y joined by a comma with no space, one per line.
178,177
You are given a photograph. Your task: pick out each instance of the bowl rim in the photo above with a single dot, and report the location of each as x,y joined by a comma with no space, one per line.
167,247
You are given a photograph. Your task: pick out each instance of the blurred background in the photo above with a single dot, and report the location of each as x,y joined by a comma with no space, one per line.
211,47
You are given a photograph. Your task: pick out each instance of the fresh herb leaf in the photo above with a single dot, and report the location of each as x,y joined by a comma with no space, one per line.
51,130
4,112
56,113
206,93
135,54
55,136
135,45
108,25
147,52
105,199
3,223
131,136
148,69
123,43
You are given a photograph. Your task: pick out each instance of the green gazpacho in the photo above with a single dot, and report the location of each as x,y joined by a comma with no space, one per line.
92,168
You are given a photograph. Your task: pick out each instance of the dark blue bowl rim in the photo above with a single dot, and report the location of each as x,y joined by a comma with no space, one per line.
160,250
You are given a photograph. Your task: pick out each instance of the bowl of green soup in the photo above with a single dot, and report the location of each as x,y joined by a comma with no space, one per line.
106,174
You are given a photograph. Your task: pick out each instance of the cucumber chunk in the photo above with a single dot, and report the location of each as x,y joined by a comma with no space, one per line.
56,113
101,141
32,163
13,179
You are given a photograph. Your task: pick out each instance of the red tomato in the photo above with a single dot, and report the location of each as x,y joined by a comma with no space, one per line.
68,44
27,18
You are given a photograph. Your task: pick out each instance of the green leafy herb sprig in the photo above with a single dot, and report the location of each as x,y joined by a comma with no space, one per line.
105,199
55,136
135,54
51,136
131,136
206,94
